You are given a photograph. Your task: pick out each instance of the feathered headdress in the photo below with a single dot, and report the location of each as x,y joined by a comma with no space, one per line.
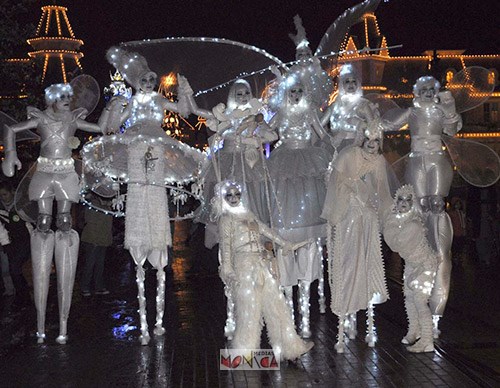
300,38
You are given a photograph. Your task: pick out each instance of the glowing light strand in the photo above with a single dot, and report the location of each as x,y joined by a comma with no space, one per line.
261,71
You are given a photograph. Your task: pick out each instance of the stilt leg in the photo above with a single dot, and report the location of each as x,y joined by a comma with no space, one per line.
352,326
159,259
66,257
371,334
289,300
340,345
321,284
42,252
304,295
140,257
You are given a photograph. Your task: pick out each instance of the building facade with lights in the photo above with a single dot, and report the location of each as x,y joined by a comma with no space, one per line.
394,76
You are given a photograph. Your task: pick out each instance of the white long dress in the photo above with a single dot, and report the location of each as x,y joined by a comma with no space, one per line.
358,196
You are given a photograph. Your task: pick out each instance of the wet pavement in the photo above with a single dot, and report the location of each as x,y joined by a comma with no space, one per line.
103,348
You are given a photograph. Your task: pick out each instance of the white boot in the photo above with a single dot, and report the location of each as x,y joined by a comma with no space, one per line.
413,333
426,341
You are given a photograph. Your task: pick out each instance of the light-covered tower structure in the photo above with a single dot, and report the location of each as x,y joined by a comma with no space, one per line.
55,45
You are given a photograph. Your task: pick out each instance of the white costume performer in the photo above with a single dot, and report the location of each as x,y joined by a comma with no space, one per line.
153,159
55,179
429,171
350,113
297,172
405,233
358,194
308,69
246,268
242,130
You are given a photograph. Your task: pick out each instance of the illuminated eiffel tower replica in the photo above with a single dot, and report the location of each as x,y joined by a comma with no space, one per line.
56,46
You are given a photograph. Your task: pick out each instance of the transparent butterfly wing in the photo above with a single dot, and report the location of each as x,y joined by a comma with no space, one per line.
476,163
86,93
471,87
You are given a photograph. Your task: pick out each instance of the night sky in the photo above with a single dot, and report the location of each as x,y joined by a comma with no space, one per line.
416,24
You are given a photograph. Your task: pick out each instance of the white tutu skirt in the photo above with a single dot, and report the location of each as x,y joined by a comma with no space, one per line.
108,155
299,191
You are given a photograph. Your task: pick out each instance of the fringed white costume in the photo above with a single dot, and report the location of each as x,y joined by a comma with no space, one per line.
246,267
358,194
405,233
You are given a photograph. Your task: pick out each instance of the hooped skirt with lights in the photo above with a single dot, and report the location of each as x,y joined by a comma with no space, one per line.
146,163
298,181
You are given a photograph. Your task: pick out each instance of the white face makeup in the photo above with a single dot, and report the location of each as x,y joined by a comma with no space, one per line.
303,54
62,103
427,93
296,93
371,146
404,203
350,85
147,83
233,196
242,95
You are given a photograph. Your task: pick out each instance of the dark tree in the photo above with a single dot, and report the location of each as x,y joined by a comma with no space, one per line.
17,78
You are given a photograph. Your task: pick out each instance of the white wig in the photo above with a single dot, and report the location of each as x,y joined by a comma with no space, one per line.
55,91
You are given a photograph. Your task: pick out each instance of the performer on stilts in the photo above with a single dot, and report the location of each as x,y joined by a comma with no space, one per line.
55,179
153,160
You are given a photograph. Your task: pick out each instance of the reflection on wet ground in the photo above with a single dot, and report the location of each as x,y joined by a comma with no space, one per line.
103,347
